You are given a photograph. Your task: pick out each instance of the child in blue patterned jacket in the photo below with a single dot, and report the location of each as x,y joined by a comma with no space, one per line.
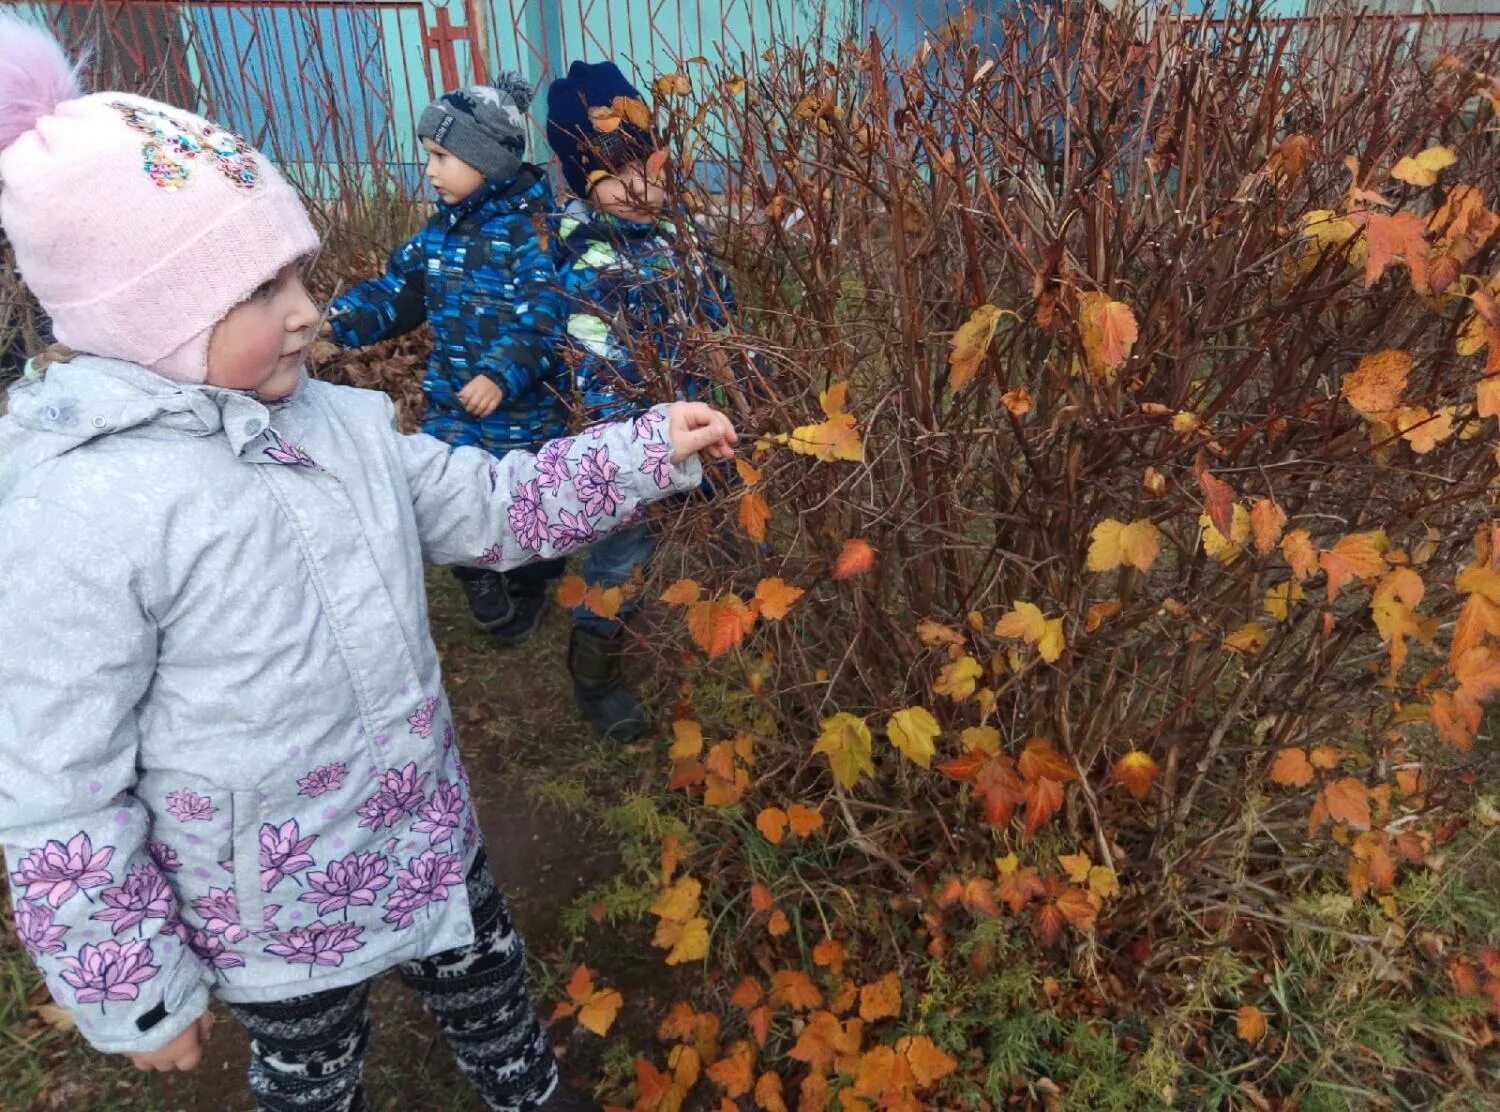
481,273
230,767
641,296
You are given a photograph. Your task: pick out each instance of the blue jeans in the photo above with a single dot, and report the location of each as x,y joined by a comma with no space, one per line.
611,561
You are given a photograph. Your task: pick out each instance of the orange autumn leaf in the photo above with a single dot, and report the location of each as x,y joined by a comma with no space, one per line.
717,626
1267,519
1300,553
684,592
856,558
792,988
1019,887
1356,556
772,822
829,954
571,590
1376,385
1039,759
1137,771
761,898
1100,613
1079,907
778,924
747,994
768,1093
1291,769
1018,401
759,1023
881,999
754,515
928,1063
1391,236
652,1086
1109,332
1250,1024
775,597
804,820
1348,802
1043,798
735,1072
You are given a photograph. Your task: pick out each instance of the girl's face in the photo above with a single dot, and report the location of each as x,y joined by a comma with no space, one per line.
629,194
262,342
453,178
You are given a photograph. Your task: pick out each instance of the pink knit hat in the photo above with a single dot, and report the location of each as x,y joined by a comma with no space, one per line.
137,225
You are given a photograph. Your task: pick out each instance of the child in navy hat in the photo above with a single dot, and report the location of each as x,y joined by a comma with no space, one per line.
640,294
481,273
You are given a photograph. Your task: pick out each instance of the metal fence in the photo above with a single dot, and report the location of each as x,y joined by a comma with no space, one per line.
324,84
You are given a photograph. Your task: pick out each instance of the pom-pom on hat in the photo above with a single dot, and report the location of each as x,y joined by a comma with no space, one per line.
138,226
484,125
597,122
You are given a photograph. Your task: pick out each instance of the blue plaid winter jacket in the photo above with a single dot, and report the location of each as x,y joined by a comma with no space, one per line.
482,273
640,301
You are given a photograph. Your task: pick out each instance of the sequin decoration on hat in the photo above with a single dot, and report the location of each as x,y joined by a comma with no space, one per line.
172,144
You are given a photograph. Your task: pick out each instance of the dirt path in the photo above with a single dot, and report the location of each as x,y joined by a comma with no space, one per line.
518,732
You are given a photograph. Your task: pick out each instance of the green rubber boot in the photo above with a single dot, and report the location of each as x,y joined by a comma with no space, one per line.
599,686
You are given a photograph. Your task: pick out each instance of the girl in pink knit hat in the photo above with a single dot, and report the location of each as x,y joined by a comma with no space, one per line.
230,765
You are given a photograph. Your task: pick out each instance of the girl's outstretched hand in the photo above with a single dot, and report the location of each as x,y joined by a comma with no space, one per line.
182,1053
694,427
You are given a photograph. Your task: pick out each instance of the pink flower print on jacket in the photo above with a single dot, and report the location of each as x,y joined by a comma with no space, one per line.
186,805
528,517
283,852
440,817
399,794
56,871
349,881
109,970
322,780
221,914
210,950
552,465
37,930
595,483
491,556
424,717
164,855
317,944
572,530
643,426
144,895
659,465
282,450
425,880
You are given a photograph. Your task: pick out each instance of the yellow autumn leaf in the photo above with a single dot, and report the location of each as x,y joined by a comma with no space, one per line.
598,1014
1424,168
1221,548
1103,882
845,740
679,903
1025,620
1249,639
1114,543
913,731
969,345
959,679
1279,599
687,740
692,943
1052,643
1376,385
985,739
1076,866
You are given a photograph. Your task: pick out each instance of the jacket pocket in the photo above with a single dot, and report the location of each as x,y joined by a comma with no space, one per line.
247,891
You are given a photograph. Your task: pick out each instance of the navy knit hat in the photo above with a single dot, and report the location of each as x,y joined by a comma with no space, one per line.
485,125
596,122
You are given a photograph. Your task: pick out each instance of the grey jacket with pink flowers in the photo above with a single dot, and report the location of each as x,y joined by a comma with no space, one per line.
226,759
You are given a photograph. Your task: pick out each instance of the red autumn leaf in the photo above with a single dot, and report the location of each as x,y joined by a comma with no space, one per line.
1020,887
856,558
998,789
1218,500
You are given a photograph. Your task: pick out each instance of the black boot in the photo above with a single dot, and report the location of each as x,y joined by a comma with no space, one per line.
529,605
489,602
599,687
